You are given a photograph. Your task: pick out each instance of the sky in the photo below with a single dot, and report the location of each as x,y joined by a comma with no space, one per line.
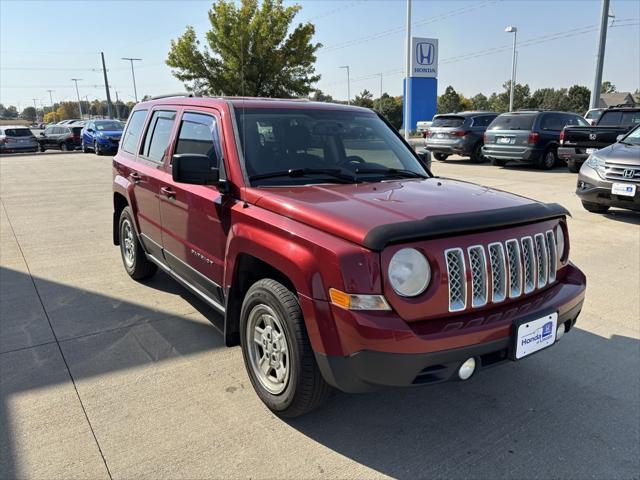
43,44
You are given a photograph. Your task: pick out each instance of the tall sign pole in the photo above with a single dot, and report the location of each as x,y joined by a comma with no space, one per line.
602,42
106,86
407,89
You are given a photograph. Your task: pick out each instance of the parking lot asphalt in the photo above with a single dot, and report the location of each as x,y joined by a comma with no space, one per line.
103,377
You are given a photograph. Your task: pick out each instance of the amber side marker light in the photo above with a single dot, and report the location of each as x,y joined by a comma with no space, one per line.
351,301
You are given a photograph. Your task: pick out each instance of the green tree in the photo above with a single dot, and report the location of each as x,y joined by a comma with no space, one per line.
251,49
320,96
578,99
499,102
67,110
607,87
449,101
29,114
365,99
479,102
391,108
11,112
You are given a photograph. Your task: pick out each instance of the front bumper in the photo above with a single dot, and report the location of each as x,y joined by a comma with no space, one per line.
13,148
108,143
592,188
453,148
387,352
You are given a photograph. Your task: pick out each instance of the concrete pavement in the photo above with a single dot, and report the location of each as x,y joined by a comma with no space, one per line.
103,377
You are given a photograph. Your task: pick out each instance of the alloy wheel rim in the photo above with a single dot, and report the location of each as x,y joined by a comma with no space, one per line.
128,245
268,349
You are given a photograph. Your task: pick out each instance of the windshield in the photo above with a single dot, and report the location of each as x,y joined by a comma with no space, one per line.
633,138
449,121
109,126
320,146
619,117
513,121
18,132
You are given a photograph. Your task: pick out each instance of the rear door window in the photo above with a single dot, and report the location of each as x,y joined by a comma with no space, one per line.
452,121
482,121
158,135
199,134
513,121
619,117
552,121
134,129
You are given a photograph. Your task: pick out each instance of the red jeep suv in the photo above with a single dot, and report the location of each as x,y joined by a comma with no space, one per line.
337,259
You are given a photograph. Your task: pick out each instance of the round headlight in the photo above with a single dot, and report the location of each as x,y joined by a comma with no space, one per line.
560,242
409,272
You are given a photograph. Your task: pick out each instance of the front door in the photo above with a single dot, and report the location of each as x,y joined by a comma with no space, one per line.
195,217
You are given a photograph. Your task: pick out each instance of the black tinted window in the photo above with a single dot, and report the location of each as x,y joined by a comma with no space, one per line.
482,121
158,135
18,132
77,130
134,129
199,134
553,121
448,121
513,121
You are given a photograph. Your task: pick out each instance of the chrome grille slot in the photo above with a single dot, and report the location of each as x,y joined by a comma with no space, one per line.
498,272
553,255
615,171
515,268
457,279
541,260
528,263
478,265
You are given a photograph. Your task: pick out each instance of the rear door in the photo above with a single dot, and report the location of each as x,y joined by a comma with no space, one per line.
195,218
551,124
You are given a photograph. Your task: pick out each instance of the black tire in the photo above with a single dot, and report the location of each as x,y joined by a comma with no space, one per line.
42,147
85,149
595,208
476,154
498,162
548,159
440,156
305,388
573,166
140,267
96,148
64,147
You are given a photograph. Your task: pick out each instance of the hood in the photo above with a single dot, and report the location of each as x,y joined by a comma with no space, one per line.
111,133
352,211
621,153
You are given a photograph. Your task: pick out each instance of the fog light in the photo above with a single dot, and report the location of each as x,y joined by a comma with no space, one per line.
560,331
467,368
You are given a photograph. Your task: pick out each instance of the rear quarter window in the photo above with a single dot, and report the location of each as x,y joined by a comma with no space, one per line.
134,129
513,121
448,121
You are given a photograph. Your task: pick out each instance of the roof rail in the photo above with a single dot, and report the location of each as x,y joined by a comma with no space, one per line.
623,105
169,95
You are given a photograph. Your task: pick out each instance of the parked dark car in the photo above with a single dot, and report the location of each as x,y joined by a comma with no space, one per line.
334,257
611,176
458,133
577,143
527,137
60,137
101,136
17,138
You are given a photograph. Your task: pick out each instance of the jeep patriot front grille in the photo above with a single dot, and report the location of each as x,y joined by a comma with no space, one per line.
500,270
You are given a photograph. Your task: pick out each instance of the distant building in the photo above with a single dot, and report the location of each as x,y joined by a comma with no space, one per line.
616,98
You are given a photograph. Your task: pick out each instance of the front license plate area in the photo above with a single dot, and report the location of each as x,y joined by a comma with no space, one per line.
534,335
624,189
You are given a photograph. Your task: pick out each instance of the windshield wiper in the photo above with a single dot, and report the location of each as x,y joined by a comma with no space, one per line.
334,173
396,172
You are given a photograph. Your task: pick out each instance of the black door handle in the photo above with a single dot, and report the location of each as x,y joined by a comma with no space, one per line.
167,192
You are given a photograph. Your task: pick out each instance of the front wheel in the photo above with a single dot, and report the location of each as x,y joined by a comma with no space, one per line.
96,148
573,166
42,147
85,149
277,352
440,156
64,147
137,265
595,208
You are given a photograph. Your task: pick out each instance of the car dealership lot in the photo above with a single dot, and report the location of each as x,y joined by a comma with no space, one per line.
104,377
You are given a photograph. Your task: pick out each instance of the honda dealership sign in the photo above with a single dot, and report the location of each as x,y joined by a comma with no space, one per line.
424,57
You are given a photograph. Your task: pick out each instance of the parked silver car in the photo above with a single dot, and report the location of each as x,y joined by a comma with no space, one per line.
17,138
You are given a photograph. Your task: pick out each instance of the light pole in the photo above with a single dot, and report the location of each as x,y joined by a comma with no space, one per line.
602,42
51,98
133,74
348,85
76,80
407,90
513,30
380,101
35,108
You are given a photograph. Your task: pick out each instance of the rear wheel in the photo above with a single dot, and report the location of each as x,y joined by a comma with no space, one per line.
573,166
137,265
476,154
595,208
440,156
548,159
498,163
277,352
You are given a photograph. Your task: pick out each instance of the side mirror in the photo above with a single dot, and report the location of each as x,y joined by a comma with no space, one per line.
195,169
619,137
42,134
90,130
